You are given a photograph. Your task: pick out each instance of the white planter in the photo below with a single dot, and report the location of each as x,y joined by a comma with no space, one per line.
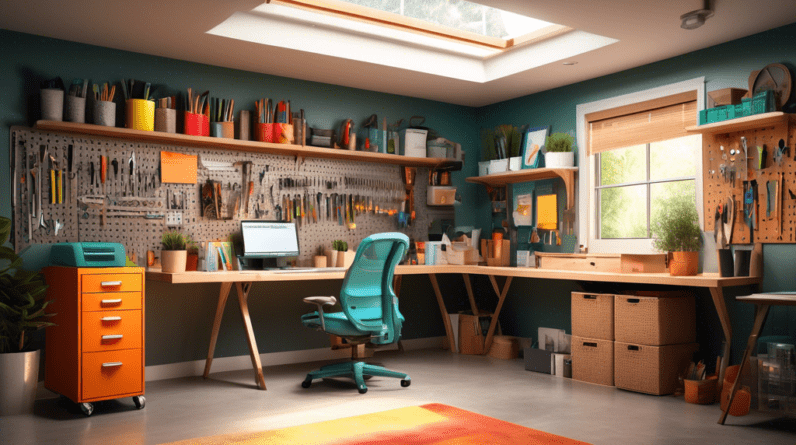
515,163
559,159
483,168
498,165
345,259
331,258
19,375
173,261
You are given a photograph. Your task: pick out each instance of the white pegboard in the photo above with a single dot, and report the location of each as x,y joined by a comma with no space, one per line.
281,176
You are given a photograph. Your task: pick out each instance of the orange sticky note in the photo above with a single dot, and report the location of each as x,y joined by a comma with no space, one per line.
177,168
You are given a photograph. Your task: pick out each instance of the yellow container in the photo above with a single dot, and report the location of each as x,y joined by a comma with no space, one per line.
140,114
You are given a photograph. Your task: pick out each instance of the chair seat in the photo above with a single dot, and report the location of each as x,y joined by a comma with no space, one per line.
337,323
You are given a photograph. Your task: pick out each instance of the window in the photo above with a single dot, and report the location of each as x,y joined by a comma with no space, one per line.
637,153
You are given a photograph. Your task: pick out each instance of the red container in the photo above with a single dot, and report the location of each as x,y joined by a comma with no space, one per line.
264,132
196,124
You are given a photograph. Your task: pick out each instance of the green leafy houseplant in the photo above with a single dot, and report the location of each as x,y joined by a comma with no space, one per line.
22,304
676,225
174,240
559,143
339,245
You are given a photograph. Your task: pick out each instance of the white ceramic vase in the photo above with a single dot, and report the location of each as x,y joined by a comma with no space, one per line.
559,159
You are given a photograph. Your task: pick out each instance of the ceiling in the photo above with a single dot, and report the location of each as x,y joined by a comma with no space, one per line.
646,32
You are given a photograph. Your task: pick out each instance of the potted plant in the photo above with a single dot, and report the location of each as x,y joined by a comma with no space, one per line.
511,137
558,151
319,260
676,230
331,254
192,254
22,311
488,152
173,252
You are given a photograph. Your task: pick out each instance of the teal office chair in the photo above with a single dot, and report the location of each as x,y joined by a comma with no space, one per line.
370,308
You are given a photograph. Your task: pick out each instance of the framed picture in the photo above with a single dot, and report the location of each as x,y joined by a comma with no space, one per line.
532,146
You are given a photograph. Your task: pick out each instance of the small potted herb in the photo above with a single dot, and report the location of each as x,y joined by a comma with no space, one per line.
675,227
173,252
192,258
558,151
319,260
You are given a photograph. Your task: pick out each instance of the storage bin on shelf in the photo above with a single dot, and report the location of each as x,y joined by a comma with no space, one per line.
650,369
593,360
659,318
593,315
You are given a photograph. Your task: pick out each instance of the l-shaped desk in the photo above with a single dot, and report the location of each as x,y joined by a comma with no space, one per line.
243,281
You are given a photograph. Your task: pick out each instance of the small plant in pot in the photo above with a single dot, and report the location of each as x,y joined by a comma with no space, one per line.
558,151
192,257
22,311
173,252
676,229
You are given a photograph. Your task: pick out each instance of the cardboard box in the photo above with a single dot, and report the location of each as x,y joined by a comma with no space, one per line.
593,360
635,263
651,369
593,315
725,96
472,332
664,319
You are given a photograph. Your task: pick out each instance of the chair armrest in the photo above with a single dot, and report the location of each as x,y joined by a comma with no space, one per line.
321,302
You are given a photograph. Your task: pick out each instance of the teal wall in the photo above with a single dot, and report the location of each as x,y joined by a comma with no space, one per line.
534,303
179,317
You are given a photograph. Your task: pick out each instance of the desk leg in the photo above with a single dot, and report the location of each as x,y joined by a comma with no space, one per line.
501,298
243,297
445,319
724,318
223,294
470,295
760,319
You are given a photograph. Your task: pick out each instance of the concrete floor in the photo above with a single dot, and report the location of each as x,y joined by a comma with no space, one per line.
191,407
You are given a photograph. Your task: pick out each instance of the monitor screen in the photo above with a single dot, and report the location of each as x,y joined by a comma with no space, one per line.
269,239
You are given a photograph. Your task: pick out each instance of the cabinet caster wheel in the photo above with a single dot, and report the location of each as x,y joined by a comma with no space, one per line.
363,390
306,383
140,401
405,383
87,408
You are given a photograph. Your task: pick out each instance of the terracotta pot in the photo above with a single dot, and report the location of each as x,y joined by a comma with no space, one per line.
173,261
345,259
191,261
319,260
684,263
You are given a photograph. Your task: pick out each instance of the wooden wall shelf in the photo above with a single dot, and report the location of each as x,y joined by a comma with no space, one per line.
742,123
239,145
531,174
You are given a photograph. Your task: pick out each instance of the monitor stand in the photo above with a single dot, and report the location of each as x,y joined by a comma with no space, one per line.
263,263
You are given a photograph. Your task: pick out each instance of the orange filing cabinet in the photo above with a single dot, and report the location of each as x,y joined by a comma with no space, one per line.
95,351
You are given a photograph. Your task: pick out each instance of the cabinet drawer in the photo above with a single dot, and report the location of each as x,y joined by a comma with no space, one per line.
111,330
112,301
113,373
117,282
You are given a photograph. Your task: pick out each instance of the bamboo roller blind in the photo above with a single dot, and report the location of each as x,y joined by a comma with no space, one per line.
641,123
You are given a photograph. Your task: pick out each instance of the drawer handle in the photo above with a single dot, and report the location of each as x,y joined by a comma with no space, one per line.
112,337
114,301
633,300
111,318
110,283
111,364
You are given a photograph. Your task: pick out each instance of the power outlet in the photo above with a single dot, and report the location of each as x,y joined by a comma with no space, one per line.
173,219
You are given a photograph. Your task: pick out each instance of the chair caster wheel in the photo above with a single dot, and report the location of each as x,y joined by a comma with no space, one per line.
140,401
363,390
405,383
306,383
87,408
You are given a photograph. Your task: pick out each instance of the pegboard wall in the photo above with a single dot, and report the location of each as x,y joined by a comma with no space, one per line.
135,210
730,174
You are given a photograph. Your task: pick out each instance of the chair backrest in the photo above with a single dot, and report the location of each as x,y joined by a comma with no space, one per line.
367,296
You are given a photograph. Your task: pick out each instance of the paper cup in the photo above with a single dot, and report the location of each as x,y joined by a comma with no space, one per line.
264,132
140,114
222,129
52,104
105,113
166,120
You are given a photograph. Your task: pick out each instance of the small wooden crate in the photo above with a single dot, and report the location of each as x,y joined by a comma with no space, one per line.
579,261
666,319
652,263
650,369
593,315
593,360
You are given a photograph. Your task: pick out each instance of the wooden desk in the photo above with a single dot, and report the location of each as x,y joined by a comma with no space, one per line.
244,280
764,303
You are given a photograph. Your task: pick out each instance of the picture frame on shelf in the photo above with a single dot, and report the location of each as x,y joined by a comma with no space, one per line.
532,147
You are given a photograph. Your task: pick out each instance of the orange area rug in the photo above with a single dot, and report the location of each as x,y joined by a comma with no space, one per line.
434,423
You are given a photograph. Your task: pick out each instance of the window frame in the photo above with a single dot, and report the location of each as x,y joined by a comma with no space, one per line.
587,197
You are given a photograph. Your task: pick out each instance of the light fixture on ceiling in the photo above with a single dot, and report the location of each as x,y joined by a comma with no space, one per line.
696,18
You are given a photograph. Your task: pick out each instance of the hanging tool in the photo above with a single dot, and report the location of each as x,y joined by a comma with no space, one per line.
729,219
131,165
53,178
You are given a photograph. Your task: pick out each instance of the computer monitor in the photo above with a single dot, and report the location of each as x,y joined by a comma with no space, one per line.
268,243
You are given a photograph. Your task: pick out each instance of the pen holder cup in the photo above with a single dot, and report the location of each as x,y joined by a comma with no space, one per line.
222,130
244,130
140,114
76,109
166,120
283,134
52,104
487,249
726,266
105,113
264,132
196,124
702,392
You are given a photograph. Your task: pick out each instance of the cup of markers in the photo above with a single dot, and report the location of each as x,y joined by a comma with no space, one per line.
274,122
139,106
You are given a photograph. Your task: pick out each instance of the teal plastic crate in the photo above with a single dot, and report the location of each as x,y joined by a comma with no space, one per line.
763,102
87,255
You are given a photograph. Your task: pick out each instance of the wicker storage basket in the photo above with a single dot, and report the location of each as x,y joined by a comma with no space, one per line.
650,369
504,347
667,319
593,315
593,360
